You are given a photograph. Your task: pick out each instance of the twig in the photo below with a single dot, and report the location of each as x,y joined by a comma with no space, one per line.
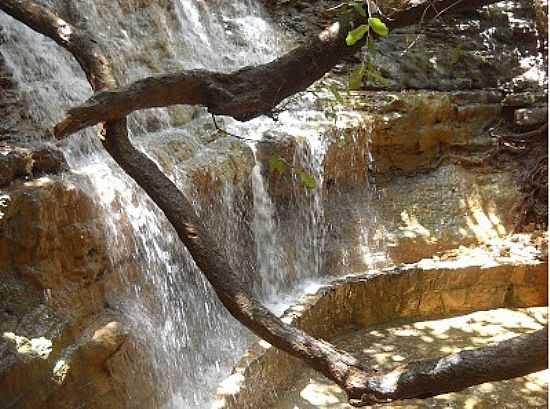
243,138
446,8
422,22
518,137
274,114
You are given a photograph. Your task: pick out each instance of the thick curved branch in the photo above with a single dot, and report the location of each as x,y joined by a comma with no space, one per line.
243,94
508,359
363,387
251,91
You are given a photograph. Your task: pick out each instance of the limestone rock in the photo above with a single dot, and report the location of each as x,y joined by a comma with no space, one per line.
19,162
48,160
85,362
52,241
412,130
51,232
56,370
55,336
30,334
472,50
446,209
541,14
13,166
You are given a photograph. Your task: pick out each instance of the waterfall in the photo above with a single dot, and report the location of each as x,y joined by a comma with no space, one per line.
289,255
188,339
272,264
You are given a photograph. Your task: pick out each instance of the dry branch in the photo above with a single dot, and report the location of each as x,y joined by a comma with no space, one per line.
508,359
251,91
427,378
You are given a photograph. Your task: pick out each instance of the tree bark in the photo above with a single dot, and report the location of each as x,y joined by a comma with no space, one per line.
508,359
251,91
364,387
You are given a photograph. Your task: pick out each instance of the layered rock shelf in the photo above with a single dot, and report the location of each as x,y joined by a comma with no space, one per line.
508,274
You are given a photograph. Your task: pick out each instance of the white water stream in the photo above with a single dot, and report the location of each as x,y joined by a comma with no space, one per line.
190,341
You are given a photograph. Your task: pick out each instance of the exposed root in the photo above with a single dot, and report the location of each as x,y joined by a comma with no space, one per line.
521,137
530,150
533,206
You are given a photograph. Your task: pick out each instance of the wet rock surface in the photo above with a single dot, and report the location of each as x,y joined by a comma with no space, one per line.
26,163
442,210
57,334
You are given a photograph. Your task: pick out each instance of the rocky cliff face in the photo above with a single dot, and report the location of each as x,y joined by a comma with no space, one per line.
55,328
417,147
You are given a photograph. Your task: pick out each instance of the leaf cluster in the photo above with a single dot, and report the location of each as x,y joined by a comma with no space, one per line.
278,165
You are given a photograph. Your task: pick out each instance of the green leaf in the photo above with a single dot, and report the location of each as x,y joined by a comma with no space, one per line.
356,78
456,54
378,26
336,94
375,76
307,180
359,8
356,34
276,164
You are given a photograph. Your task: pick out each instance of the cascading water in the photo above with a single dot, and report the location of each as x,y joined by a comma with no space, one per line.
188,338
310,243
288,258
271,262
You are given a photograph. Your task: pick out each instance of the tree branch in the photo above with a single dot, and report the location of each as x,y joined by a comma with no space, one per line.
251,91
508,359
363,387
